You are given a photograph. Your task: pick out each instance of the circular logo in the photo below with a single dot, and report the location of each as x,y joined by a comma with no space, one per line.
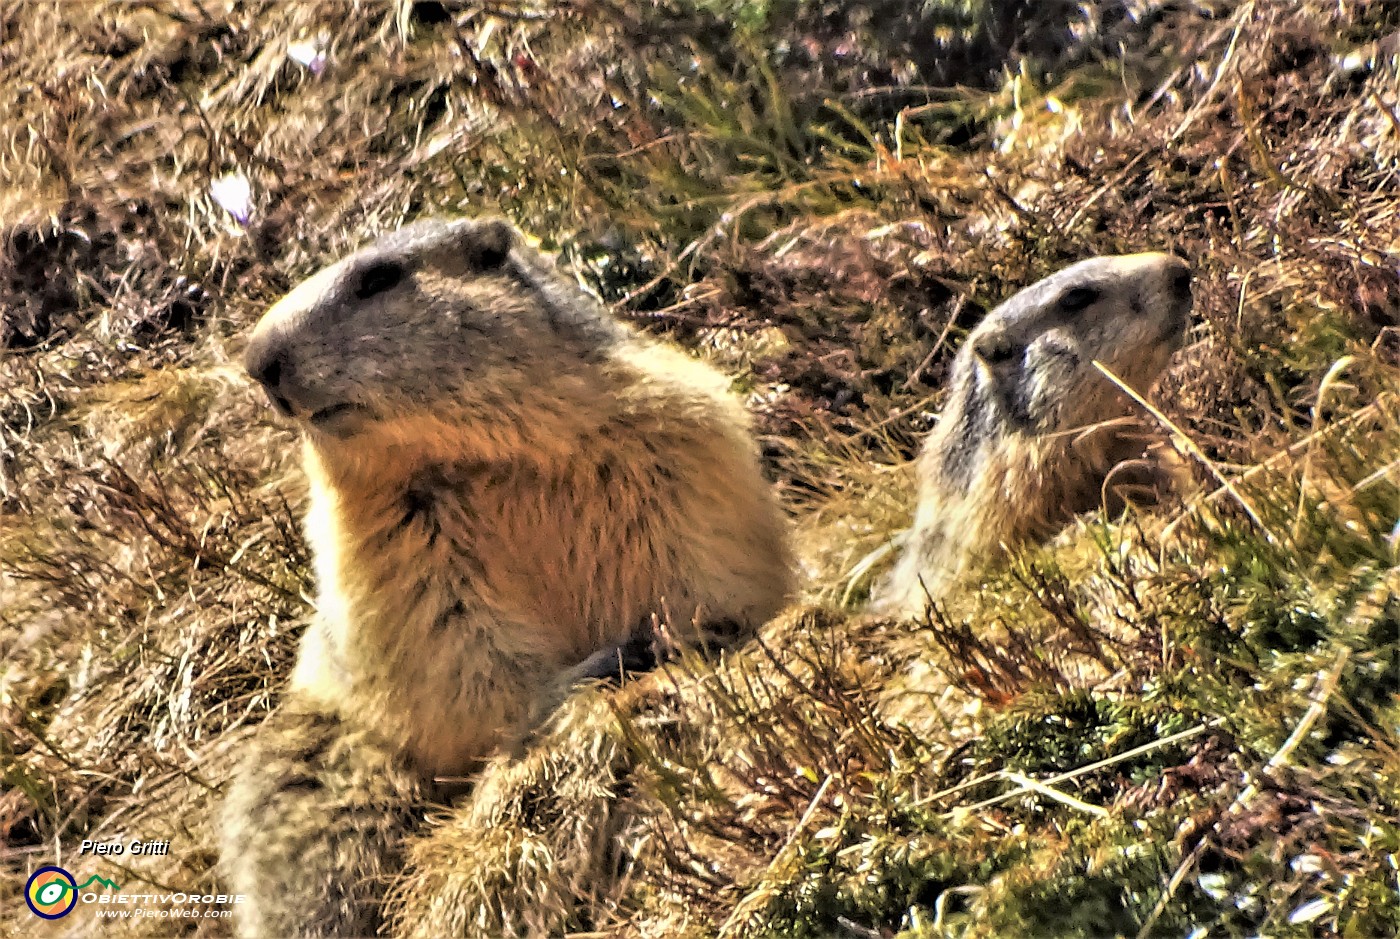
51,892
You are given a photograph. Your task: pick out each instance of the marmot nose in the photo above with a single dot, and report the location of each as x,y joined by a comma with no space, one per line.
1181,281
265,368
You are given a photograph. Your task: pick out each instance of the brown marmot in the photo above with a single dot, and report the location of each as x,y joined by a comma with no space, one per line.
508,486
1032,430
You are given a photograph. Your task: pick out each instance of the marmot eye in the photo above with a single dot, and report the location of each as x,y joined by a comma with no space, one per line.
378,278
1077,299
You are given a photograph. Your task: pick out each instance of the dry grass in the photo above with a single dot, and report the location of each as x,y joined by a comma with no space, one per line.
824,204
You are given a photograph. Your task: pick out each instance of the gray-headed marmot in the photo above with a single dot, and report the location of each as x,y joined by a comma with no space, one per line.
1032,429
506,486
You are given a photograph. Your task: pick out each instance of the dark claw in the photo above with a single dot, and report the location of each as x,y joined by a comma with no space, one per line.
635,654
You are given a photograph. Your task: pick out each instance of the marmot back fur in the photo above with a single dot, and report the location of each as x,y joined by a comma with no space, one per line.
507,485
1031,429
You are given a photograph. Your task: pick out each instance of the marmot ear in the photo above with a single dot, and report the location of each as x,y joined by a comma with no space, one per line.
488,244
995,348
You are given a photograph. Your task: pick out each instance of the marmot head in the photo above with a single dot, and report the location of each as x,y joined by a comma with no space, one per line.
1028,366
1029,435
445,334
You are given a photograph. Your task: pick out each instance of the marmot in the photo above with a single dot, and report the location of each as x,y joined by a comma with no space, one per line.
1032,430
508,486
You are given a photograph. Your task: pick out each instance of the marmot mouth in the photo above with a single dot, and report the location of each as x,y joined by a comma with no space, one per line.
326,415
279,403
1177,327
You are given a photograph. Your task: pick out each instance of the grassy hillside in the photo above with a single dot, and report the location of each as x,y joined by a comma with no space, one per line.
1177,722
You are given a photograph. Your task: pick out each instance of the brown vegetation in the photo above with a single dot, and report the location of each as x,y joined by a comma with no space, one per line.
1155,724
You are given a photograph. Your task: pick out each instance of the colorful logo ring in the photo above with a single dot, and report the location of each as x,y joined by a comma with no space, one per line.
51,892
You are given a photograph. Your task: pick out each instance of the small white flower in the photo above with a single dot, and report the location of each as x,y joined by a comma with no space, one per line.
1216,885
1306,863
309,53
1313,909
235,194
